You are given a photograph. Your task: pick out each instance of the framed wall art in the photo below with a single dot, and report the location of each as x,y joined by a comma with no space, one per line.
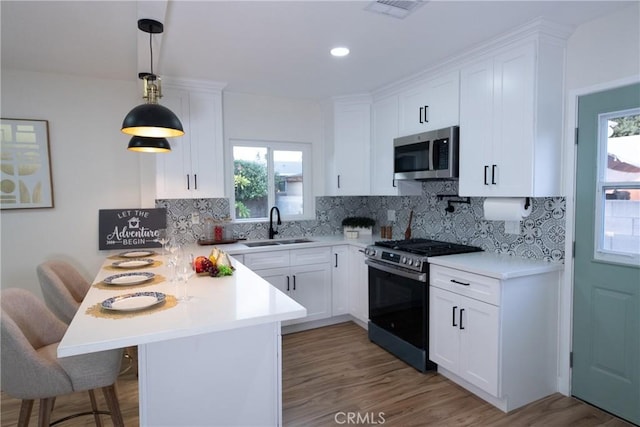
25,182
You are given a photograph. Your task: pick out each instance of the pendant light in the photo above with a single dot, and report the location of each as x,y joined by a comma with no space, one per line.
151,120
149,145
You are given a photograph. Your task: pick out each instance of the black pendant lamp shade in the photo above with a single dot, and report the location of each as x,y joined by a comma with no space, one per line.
149,145
151,120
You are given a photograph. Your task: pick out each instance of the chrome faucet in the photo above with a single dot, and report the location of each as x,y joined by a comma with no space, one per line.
272,232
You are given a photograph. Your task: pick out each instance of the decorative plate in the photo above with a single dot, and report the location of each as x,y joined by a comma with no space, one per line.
137,254
125,279
134,301
133,263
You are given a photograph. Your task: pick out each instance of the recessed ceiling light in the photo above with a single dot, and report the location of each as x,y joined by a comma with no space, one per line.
340,51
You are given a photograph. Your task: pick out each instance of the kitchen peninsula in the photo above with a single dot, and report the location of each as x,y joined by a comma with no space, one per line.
212,360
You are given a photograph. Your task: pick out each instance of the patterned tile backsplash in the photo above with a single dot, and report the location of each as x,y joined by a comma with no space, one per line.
541,236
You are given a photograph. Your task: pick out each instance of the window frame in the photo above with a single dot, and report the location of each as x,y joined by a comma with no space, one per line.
308,204
602,186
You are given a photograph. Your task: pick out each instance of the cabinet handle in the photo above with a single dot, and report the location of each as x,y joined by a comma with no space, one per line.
393,183
486,169
460,283
195,181
338,181
461,310
493,174
294,282
188,188
423,114
336,260
453,316
287,283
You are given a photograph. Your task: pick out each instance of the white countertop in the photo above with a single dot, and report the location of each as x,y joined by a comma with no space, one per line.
316,241
217,304
495,265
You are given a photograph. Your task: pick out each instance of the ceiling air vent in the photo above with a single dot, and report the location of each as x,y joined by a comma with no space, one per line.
397,8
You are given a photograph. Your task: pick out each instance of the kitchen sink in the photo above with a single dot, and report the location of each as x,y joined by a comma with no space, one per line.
292,241
276,242
265,243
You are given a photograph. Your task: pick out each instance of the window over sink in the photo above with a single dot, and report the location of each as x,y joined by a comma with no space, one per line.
271,173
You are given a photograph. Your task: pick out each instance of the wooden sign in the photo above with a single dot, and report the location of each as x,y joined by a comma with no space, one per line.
130,228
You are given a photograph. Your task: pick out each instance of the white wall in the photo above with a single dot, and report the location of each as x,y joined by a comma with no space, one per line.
605,49
91,170
269,118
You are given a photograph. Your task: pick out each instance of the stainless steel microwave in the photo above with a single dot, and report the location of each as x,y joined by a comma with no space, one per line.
427,155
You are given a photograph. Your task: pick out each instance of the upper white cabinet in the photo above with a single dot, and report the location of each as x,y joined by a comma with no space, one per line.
511,110
384,128
195,166
349,175
433,104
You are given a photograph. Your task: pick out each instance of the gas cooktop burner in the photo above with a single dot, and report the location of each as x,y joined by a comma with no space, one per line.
426,247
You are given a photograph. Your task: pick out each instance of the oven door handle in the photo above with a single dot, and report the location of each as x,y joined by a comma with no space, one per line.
420,277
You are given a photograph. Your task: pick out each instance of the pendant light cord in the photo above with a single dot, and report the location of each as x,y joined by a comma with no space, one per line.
151,50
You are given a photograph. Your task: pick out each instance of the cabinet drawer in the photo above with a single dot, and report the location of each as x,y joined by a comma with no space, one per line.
476,286
310,256
262,260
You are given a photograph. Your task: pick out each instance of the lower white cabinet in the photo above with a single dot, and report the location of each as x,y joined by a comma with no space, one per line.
303,274
495,337
467,342
340,280
358,285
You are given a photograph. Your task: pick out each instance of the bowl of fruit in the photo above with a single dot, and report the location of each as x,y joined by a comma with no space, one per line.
217,264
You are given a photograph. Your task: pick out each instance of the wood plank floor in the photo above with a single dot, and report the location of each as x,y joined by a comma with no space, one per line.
332,372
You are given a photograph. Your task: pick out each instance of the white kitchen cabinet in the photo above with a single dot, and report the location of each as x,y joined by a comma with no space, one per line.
467,343
358,285
495,337
511,110
303,274
431,105
384,128
350,162
195,166
340,280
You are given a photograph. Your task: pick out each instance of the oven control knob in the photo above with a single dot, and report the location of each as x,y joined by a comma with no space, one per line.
410,262
366,251
417,264
403,260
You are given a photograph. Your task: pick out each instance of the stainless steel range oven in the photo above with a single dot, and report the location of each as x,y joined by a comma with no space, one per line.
399,296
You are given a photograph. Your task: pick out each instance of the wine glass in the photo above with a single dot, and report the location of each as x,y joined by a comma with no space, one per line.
172,248
162,239
186,270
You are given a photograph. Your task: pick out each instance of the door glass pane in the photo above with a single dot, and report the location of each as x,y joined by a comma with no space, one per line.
620,186
622,220
623,149
288,182
250,181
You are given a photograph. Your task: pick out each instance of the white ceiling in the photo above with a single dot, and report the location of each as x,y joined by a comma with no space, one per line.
266,47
